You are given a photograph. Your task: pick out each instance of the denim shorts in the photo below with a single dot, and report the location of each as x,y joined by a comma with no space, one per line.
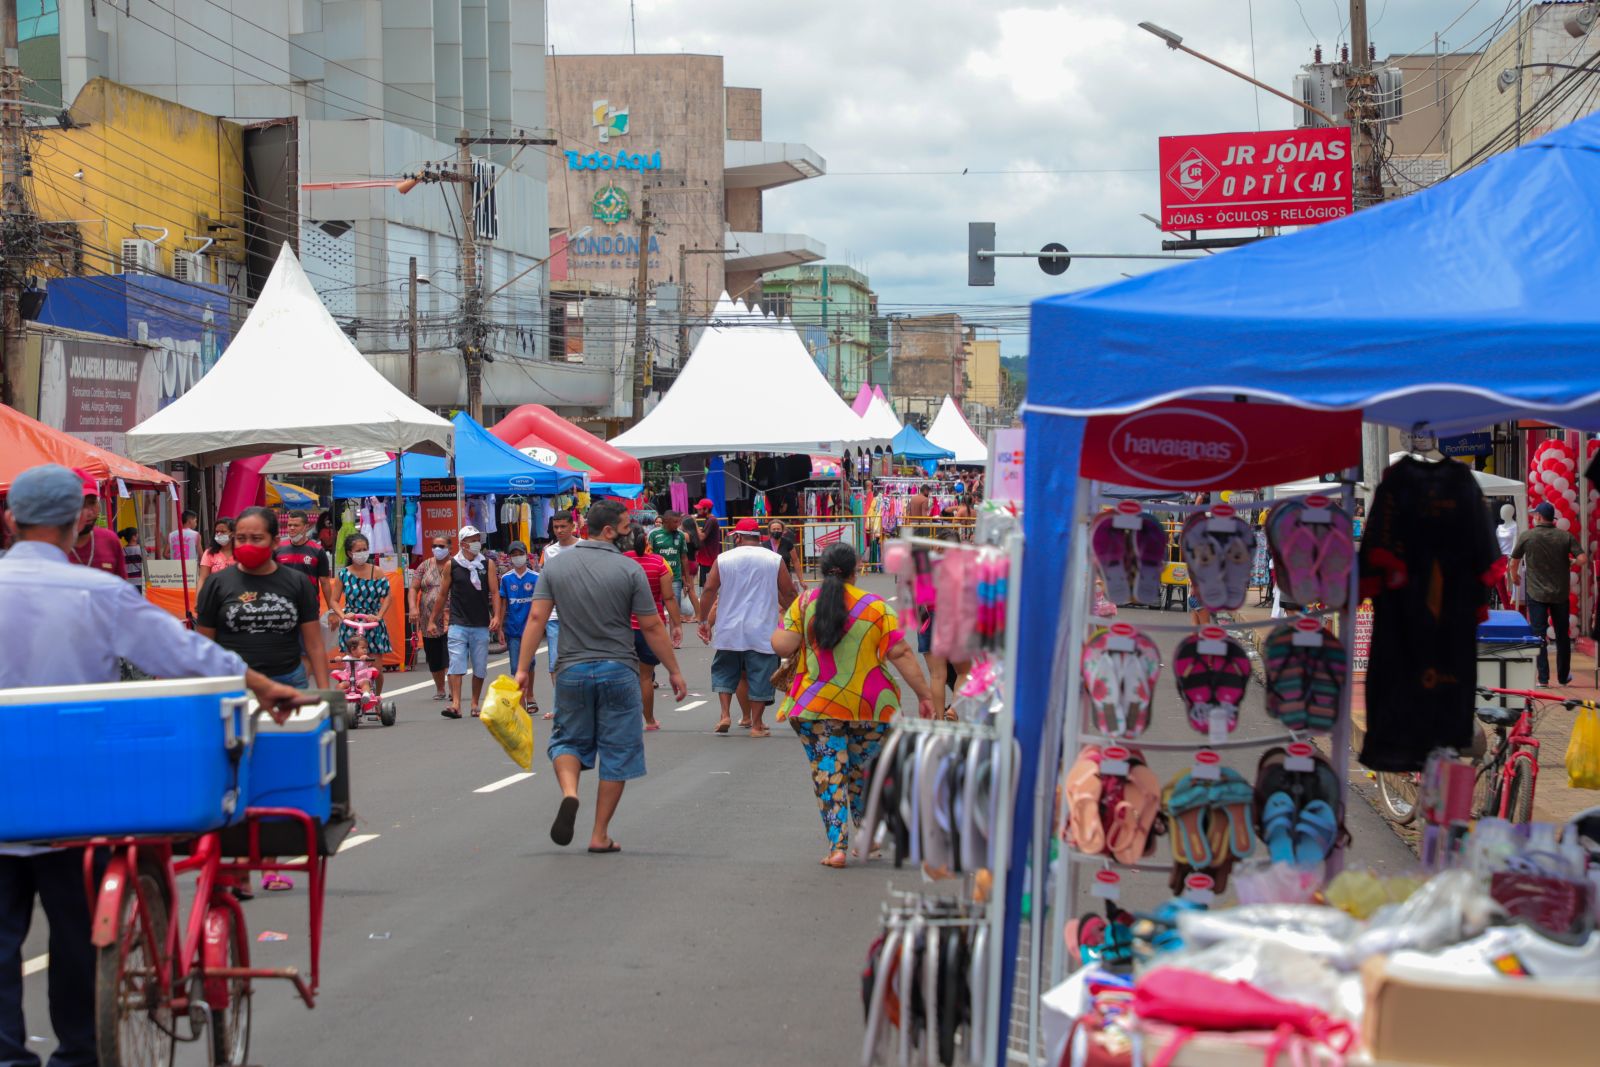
726,666
469,650
641,648
599,718
552,631
296,678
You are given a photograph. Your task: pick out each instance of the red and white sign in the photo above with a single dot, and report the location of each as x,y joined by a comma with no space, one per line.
1223,181
1201,444
440,518
819,535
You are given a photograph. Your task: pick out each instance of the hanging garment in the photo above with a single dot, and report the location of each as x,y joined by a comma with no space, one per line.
408,527
380,540
1427,561
344,533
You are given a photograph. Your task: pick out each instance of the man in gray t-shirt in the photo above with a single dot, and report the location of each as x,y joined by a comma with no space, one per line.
1543,554
599,716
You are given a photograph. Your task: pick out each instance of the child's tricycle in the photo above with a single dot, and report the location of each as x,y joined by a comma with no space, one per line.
359,673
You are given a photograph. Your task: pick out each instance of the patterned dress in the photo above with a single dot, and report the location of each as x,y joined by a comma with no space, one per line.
362,597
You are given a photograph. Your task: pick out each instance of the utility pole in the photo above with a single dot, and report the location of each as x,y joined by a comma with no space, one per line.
471,306
411,327
838,360
641,295
18,223
1368,187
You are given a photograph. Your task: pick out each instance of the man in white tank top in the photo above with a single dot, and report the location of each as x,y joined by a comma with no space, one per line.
745,594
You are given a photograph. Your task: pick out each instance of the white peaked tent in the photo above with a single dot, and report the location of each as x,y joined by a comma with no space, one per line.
290,378
951,430
879,418
749,385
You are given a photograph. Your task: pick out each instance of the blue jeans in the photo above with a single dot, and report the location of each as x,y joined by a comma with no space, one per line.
56,878
552,632
296,677
599,718
469,650
757,667
514,647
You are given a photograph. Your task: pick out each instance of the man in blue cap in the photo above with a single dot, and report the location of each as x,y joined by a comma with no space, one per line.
79,620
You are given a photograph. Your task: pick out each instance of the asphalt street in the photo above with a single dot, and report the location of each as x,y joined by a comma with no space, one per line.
458,933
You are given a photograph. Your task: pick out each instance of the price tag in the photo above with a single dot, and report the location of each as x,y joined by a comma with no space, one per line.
1219,525
1297,758
1316,510
122,489
1124,521
1107,885
1217,723
1207,765
1200,889
1121,638
1213,641
1307,637
1114,761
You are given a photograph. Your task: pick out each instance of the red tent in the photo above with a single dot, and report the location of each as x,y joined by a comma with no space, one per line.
26,442
570,448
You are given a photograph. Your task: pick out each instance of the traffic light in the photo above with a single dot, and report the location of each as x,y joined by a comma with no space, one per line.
980,238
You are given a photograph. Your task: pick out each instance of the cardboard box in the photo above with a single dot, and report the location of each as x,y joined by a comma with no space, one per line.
1461,1021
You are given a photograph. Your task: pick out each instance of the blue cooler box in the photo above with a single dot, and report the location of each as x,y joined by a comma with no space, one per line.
294,765
122,758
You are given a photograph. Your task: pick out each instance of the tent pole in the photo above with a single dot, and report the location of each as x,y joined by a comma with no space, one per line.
399,533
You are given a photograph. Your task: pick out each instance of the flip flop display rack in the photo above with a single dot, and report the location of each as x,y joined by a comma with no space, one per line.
1120,792
939,801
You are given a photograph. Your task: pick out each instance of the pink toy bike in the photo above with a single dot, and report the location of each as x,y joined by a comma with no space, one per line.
357,676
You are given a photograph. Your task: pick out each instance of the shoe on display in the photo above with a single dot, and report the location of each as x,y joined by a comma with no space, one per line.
1508,951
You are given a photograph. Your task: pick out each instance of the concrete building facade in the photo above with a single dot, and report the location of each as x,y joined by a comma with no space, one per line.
927,361
832,306
665,128
353,90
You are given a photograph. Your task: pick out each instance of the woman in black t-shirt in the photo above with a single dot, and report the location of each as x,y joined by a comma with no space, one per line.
261,610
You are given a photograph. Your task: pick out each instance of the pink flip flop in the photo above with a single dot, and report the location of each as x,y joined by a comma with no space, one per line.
273,882
1109,546
1150,542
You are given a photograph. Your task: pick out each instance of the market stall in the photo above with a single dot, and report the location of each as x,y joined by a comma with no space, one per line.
1434,313
911,445
951,430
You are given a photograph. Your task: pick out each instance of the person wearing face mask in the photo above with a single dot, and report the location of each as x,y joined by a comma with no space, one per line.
779,541
427,608
301,553
471,591
516,593
219,553
96,546
364,590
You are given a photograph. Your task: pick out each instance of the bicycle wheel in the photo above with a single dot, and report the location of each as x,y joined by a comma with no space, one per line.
1519,801
1397,793
227,999
133,1017
1486,790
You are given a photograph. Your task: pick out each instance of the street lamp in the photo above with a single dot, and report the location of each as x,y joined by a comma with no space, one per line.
1175,42
1512,75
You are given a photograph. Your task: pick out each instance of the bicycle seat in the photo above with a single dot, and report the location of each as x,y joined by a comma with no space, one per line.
1494,715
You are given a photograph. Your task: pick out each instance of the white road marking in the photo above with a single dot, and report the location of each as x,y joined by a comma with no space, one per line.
719,772
423,685
35,965
495,787
357,839
692,705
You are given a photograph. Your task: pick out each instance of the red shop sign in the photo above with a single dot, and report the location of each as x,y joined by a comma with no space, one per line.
1222,181
1205,444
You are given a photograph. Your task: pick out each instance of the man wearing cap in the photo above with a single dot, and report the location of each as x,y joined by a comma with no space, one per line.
516,594
746,591
709,534
1547,550
80,620
471,589
95,546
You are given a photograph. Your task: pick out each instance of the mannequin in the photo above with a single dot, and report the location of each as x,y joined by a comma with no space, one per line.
1506,534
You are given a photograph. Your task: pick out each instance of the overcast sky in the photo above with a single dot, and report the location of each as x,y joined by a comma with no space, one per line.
1066,99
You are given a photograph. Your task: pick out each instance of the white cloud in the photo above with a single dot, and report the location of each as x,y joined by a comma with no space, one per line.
944,85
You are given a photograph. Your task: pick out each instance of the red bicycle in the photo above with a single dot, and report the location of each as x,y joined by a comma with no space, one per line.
158,982
1507,772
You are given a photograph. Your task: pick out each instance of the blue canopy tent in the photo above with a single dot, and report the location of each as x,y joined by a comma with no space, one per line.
913,446
1454,308
484,463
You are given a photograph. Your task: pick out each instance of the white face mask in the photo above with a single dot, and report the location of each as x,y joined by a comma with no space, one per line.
519,562
222,538
300,538
441,553
359,558
472,548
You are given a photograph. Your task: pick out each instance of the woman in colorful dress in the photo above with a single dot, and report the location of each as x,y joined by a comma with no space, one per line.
843,698
365,591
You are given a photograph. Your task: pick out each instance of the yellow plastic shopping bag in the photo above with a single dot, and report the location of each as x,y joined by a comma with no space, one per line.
1583,751
508,721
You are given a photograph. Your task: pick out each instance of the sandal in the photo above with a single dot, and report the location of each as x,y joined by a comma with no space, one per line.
1186,802
1109,547
652,726
760,731
1084,830
273,882
1277,827
1314,833
1232,797
450,712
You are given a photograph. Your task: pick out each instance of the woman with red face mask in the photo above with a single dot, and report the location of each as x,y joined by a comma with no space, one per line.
261,610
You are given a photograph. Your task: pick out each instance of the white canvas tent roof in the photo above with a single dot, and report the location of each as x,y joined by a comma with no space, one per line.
290,378
951,430
323,461
879,418
749,385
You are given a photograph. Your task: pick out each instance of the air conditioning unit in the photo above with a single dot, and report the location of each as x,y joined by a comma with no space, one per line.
191,267
140,256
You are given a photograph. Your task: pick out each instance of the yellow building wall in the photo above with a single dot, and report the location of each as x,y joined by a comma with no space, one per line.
983,371
143,161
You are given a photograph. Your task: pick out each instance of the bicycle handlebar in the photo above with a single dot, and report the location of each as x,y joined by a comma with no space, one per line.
1531,694
362,622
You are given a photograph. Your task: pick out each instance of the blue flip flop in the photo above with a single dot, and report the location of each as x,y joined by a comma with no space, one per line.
1277,827
1314,833
1232,798
1187,801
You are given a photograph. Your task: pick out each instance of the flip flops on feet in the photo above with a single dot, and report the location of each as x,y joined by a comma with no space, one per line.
450,712
609,846
566,816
